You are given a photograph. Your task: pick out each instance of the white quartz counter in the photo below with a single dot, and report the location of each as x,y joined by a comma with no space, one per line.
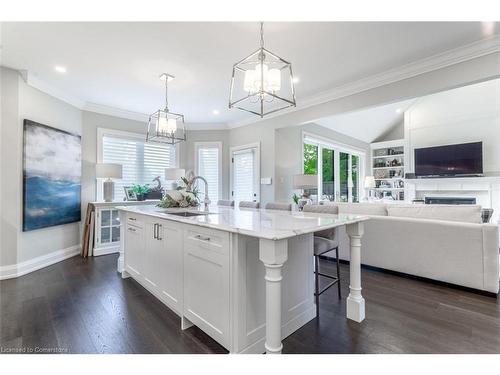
261,223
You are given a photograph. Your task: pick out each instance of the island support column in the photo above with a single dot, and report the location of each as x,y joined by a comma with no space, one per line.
273,254
355,301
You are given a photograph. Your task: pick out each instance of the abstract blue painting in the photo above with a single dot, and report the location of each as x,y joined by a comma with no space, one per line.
52,176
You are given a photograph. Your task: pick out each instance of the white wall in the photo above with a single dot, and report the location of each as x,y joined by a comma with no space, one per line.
9,166
466,114
20,102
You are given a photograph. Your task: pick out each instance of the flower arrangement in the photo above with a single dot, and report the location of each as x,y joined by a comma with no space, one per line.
181,197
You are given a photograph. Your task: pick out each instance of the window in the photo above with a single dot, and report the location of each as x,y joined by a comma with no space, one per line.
208,165
338,168
141,162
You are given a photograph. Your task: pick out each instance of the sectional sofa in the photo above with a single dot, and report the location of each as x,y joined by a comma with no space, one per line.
439,242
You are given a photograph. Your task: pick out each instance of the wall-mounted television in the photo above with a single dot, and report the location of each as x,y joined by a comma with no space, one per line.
460,160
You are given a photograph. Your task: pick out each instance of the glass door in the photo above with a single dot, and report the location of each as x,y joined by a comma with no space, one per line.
338,170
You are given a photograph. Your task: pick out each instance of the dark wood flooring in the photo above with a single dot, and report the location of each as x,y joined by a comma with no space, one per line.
83,306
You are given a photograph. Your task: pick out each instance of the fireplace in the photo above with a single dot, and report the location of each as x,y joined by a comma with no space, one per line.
449,200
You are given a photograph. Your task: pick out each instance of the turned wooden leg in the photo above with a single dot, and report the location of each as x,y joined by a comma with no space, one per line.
273,254
355,301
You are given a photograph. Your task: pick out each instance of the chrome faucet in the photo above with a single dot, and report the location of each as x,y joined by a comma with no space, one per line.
206,201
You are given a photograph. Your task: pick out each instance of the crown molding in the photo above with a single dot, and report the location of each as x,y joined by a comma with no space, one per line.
115,112
442,60
35,82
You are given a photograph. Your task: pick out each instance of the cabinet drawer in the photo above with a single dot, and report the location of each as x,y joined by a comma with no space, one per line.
208,238
135,220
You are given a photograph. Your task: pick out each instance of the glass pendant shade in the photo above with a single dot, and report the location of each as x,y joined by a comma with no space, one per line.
165,126
262,83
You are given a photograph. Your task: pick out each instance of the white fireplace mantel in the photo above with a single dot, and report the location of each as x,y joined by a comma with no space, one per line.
486,189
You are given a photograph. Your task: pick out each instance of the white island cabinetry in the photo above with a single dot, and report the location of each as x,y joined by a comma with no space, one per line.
153,257
243,276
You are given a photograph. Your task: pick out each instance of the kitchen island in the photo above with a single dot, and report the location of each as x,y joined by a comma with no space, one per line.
244,276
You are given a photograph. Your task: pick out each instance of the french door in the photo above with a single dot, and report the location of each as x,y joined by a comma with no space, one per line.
338,170
245,173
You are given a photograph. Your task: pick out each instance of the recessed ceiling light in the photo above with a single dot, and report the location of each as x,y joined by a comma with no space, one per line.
60,69
399,110
295,80
488,28
215,112
166,76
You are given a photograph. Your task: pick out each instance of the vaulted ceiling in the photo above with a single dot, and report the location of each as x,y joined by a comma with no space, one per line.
118,64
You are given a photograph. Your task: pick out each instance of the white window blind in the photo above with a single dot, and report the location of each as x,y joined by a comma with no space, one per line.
244,175
141,162
208,167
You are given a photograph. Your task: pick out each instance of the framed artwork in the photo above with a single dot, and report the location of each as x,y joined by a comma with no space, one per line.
130,195
52,169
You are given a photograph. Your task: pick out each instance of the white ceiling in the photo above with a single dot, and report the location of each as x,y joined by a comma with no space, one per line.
117,64
367,124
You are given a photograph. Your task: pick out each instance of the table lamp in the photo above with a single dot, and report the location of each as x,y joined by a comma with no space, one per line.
305,181
108,171
369,184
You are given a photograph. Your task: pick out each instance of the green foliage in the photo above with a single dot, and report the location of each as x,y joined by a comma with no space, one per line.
310,159
141,189
295,198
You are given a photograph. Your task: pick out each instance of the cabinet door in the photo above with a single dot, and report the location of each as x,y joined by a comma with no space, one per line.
109,227
206,283
134,251
164,262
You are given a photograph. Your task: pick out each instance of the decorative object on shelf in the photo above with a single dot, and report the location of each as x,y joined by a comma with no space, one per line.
129,193
262,83
385,184
380,152
379,173
305,181
155,192
369,185
141,191
165,126
51,176
108,171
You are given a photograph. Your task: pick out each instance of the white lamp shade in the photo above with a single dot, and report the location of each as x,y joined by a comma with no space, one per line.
305,181
369,182
108,170
174,174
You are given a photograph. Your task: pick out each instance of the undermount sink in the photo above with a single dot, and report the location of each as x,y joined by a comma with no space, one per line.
187,214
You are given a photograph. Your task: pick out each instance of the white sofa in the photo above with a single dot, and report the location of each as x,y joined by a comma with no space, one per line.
439,242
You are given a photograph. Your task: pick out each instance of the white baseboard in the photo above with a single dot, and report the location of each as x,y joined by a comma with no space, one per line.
19,269
105,250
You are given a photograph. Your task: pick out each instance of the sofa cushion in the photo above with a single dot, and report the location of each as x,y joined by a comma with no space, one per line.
461,213
378,209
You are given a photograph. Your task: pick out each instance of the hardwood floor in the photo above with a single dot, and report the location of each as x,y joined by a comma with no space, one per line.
83,306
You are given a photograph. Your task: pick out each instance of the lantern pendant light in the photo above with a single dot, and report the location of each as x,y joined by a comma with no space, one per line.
165,126
262,83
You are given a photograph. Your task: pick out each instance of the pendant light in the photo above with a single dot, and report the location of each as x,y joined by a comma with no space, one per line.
262,83
165,126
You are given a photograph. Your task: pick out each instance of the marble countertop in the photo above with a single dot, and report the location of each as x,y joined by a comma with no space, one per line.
261,223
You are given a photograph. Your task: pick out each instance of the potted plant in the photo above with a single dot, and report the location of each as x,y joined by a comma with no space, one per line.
141,191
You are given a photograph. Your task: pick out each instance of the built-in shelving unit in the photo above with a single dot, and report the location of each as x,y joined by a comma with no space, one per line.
388,169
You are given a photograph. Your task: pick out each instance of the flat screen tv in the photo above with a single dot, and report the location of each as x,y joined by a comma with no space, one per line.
464,159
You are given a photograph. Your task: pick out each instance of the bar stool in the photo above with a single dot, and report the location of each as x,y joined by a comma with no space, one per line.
225,202
279,206
324,242
247,204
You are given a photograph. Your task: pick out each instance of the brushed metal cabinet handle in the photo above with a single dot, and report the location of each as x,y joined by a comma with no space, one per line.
200,237
158,237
